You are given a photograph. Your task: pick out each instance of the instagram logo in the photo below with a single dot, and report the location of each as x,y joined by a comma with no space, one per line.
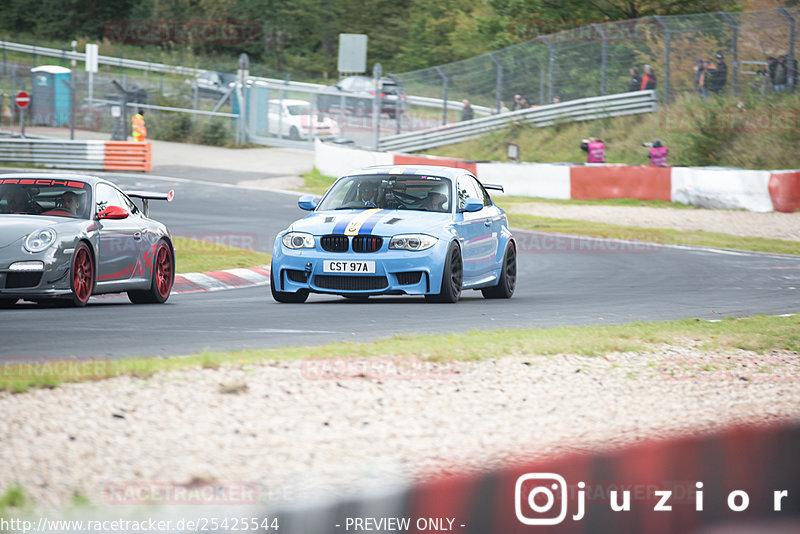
535,495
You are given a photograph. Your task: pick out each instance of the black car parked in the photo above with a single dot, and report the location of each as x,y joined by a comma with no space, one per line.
357,94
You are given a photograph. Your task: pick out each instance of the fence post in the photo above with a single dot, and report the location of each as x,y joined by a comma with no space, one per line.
735,46
499,88
541,85
551,69
445,81
790,69
667,41
603,59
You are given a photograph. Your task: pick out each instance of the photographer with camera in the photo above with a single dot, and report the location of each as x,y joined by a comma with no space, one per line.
595,150
658,153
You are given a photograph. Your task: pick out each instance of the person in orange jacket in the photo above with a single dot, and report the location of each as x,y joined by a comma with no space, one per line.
139,128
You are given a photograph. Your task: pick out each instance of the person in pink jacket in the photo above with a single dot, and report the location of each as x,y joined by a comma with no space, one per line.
595,150
658,154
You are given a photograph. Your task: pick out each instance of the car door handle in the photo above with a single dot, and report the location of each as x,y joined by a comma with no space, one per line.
487,222
137,235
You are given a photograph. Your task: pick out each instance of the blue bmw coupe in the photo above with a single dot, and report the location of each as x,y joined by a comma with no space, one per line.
391,230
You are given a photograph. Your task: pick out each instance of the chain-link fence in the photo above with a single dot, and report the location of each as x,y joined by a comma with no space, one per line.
596,59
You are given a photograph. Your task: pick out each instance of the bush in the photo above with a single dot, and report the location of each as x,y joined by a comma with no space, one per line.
169,126
215,133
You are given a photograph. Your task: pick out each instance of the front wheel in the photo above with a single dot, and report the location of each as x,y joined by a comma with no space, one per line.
508,276
281,296
452,277
82,275
163,278
294,134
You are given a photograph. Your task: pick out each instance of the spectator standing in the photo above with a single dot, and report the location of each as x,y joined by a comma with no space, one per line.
467,114
520,102
636,81
649,78
658,154
707,82
720,75
139,128
699,72
595,150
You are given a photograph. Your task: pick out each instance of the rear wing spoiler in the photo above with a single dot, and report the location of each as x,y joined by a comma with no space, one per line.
496,187
149,195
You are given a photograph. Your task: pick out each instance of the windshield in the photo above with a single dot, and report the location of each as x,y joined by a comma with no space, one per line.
37,196
299,109
386,191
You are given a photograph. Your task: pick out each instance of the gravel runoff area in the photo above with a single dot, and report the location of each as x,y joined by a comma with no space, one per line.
305,427
735,222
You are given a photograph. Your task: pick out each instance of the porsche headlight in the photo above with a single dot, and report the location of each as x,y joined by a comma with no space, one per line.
40,239
412,242
298,240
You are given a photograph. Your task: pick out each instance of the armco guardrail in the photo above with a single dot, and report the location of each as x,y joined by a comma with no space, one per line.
90,155
572,111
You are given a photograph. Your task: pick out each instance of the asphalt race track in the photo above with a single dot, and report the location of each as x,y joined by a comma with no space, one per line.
561,281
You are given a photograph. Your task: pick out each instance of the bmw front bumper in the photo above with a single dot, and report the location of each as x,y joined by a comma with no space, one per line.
397,272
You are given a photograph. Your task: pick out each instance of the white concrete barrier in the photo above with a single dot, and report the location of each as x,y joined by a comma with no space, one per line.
541,180
721,188
707,187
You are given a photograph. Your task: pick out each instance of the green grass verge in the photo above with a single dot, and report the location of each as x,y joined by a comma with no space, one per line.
194,256
13,499
316,182
652,235
760,333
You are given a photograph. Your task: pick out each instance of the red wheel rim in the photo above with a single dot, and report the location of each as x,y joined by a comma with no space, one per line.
163,271
82,275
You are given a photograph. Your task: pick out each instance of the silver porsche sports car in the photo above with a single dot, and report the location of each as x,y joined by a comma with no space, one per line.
70,236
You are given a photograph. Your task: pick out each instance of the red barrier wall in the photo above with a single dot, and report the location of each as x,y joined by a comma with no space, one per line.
784,189
621,181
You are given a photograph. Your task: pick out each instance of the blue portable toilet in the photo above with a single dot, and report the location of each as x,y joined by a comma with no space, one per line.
50,101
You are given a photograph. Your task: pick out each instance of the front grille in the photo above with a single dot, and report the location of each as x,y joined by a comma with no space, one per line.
18,280
412,277
350,283
297,276
367,243
334,243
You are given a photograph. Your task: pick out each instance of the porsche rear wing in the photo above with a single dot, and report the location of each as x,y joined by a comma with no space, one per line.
146,196
496,187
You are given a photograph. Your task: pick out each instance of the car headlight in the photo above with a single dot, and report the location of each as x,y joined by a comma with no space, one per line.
298,240
40,239
412,242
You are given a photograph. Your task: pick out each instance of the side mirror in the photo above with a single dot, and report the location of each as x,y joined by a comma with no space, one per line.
472,204
113,212
307,202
